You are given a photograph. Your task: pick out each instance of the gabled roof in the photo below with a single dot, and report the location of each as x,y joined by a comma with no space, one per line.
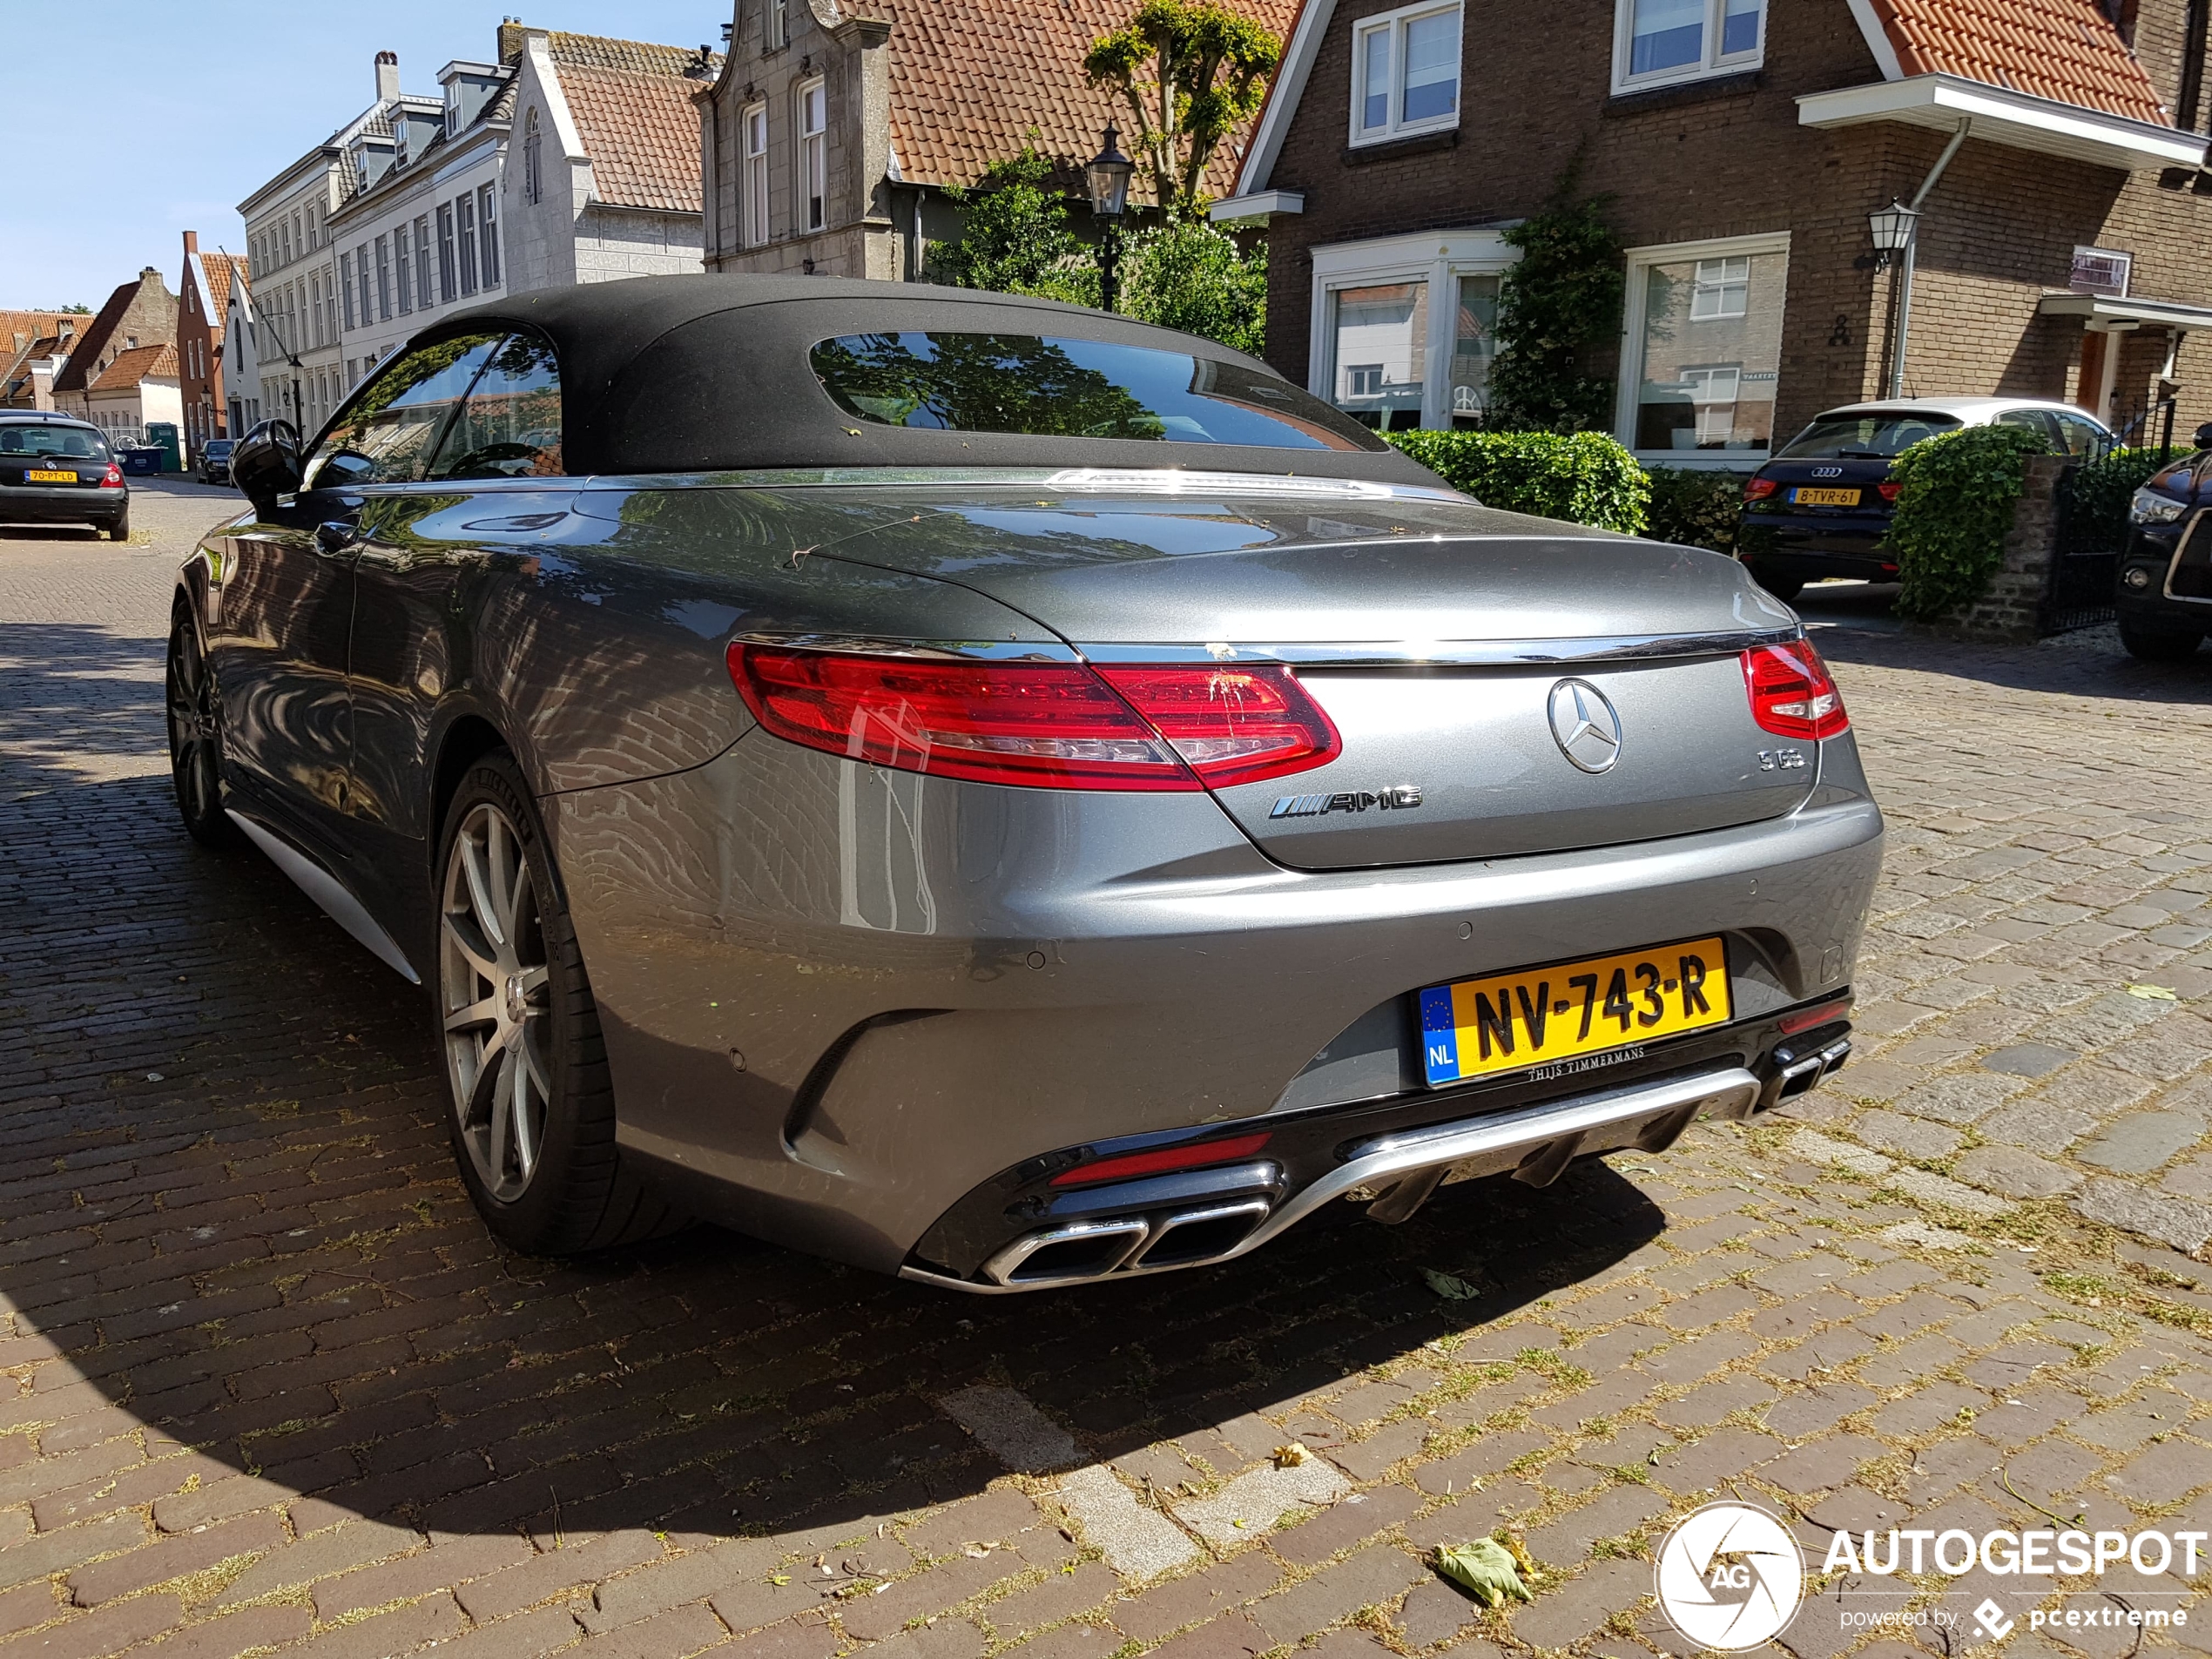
93,338
972,81
632,105
2069,52
33,325
218,270
141,362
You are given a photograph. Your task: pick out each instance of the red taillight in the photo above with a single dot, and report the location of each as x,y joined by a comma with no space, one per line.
1230,726
112,478
1167,1158
1792,693
1888,491
1759,490
1054,726
1805,1019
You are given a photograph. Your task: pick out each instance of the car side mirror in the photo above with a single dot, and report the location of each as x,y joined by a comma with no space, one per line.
2204,435
266,464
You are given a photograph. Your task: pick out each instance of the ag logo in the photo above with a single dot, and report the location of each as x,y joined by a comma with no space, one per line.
1730,1577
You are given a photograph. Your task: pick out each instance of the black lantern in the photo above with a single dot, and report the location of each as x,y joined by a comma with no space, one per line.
1108,175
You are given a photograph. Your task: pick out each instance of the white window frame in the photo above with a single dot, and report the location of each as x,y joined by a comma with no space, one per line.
1392,25
1438,258
754,177
1630,376
1710,63
775,24
813,156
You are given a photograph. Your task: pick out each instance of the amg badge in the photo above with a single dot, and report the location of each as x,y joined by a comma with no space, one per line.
1398,799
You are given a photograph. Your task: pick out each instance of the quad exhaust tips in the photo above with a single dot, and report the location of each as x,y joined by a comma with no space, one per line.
1536,1143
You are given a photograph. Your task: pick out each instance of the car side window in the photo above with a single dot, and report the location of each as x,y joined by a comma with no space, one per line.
511,425
2081,436
389,431
2033,421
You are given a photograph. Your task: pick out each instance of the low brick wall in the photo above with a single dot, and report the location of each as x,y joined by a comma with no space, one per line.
2009,611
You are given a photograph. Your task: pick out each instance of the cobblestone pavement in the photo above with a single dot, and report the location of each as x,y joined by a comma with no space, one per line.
269,1385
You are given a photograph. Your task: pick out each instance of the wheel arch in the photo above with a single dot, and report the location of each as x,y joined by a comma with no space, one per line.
465,740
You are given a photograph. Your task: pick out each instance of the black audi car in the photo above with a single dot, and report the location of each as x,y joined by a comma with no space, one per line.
1822,507
215,460
56,469
2164,596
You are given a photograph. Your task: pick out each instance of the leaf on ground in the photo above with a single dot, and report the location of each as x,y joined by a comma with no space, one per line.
1290,1456
1451,1289
1486,1569
2154,993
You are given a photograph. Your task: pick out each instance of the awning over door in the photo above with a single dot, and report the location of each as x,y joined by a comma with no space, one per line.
2001,115
2096,311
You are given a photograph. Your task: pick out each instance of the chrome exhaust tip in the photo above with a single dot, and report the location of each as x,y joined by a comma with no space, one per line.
1067,1255
1191,1237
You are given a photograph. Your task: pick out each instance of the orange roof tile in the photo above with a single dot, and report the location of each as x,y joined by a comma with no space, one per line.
972,81
2067,51
139,363
633,109
220,269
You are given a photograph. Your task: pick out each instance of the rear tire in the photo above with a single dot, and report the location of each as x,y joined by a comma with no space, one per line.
1784,588
531,1106
120,531
2158,645
195,735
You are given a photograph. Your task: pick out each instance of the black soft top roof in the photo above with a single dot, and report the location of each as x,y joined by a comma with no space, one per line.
703,374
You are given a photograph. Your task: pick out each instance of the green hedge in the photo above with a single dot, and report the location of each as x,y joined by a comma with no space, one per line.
1954,511
1696,508
1584,477
2102,489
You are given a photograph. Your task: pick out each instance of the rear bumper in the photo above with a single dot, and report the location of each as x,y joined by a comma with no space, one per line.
1817,544
21,504
841,1004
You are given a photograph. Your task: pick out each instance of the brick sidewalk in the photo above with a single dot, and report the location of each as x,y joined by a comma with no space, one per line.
273,1388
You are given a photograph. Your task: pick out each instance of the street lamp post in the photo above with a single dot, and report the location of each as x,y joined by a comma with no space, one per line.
1108,175
1894,229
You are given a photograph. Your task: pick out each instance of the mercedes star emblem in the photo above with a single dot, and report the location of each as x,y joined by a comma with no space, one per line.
1584,725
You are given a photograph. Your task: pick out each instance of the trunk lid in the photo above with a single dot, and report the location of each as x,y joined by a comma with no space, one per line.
1456,650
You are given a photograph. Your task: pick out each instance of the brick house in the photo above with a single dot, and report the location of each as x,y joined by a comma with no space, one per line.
603,175
835,126
139,313
203,308
34,345
1742,144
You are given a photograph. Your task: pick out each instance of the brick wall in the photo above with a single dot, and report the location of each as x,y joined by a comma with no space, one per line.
1728,158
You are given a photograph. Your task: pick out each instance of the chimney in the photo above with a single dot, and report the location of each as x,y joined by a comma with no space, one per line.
191,242
388,77
511,36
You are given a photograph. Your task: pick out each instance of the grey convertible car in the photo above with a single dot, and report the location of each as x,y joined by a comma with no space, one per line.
1000,793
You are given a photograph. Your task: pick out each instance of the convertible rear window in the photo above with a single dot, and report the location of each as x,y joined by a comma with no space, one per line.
1051,387
77,443
1876,435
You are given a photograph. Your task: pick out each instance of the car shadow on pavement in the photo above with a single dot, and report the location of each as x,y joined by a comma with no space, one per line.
71,695
231,1235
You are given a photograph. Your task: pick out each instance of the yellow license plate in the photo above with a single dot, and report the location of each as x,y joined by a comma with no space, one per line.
1546,1017
1824,498
46,475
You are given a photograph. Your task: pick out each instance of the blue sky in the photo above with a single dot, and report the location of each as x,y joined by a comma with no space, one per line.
145,120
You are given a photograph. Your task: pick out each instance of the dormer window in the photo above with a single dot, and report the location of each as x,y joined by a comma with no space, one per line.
452,108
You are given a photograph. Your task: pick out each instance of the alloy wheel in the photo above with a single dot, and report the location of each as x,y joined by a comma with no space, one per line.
194,764
494,999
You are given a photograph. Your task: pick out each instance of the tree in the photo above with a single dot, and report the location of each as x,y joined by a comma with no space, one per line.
1558,303
1188,70
1191,276
1016,238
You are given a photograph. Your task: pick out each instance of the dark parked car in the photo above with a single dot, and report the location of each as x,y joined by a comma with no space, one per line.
2164,596
998,793
215,460
54,469
1822,507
